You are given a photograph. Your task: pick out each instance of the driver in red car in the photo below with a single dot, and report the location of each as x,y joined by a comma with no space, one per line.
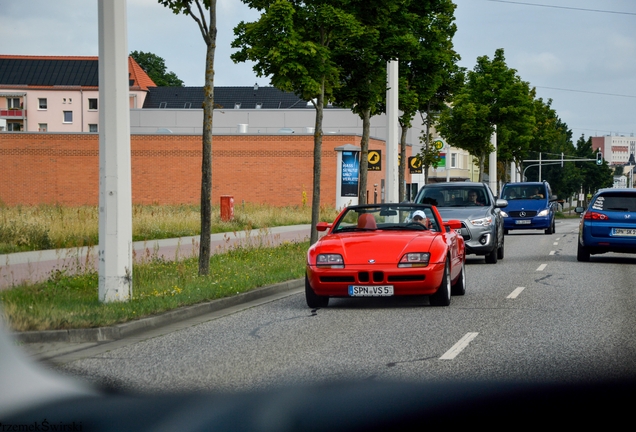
420,217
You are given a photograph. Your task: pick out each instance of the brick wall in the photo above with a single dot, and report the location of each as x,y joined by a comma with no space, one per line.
53,168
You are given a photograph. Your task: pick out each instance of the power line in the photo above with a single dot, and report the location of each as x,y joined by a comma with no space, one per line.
563,7
584,91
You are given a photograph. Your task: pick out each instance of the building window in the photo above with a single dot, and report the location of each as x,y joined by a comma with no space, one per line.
453,161
13,103
68,116
14,127
92,128
43,127
92,104
42,103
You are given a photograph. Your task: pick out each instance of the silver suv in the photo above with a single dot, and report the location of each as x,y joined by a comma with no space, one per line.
477,208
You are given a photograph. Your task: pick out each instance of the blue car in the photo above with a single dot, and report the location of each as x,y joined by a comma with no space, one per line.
608,224
531,205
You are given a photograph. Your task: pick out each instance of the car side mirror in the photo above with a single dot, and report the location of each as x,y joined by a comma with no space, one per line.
579,210
323,226
453,224
553,198
501,203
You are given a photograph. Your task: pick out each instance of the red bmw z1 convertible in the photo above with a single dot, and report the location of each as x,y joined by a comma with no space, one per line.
381,250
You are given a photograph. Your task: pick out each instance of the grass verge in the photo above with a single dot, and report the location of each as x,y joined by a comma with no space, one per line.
71,301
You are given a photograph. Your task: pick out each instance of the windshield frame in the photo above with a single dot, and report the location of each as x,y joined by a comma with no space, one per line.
387,217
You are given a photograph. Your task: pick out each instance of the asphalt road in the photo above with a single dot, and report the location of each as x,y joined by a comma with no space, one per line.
537,315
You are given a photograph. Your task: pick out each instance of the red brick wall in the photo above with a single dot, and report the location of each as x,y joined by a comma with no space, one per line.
55,168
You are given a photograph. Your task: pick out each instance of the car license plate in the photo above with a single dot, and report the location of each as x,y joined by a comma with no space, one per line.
523,222
624,232
370,291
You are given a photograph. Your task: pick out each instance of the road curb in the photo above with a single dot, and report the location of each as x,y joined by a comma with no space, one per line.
120,331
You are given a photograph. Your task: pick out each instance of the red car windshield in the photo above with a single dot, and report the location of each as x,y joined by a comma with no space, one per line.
387,217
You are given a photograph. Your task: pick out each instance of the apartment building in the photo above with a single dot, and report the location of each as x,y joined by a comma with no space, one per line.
57,94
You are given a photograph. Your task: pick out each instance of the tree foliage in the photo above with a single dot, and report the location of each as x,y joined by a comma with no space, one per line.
155,67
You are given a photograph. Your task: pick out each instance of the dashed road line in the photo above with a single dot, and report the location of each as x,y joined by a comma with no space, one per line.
459,346
516,292
552,252
542,267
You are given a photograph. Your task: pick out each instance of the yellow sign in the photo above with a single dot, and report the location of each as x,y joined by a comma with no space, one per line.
415,165
439,143
375,160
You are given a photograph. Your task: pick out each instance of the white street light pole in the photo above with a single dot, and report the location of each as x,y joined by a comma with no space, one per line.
392,114
115,195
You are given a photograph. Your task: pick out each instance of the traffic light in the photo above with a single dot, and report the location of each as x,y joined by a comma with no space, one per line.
599,158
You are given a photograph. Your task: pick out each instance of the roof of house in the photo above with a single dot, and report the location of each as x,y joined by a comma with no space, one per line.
224,97
48,71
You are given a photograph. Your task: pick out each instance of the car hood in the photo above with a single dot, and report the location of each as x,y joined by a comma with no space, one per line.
525,204
464,213
385,248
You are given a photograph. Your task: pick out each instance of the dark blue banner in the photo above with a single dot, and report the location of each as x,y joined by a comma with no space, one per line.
350,173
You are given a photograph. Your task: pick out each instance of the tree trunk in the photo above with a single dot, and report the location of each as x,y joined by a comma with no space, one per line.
402,164
428,140
315,199
206,164
364,156
481,168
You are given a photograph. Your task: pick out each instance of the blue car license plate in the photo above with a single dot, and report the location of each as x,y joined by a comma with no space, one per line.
625,232
370,291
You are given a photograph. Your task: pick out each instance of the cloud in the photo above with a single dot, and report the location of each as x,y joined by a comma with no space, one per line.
539,65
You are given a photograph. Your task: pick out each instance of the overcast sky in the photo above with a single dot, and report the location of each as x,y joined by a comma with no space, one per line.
579,53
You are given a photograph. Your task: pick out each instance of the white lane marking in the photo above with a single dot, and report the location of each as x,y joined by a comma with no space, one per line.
516,292
558,238
552,252
555,243
542,267
459,346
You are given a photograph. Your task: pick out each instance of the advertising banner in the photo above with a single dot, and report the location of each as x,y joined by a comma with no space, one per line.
350,173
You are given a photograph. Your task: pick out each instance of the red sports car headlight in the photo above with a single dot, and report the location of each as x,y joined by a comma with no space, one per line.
415,259
330,260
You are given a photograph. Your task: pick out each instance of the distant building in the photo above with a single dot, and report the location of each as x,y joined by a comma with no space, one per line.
616,149
57,94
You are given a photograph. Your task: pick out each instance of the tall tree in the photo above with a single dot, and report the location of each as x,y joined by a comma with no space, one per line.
156,69
363,81
493,98
197,10
294,43
427,69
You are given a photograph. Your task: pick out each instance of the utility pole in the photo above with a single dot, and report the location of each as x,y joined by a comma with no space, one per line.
115,194
392,71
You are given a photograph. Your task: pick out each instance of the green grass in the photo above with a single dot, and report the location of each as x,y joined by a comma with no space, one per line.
71,301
